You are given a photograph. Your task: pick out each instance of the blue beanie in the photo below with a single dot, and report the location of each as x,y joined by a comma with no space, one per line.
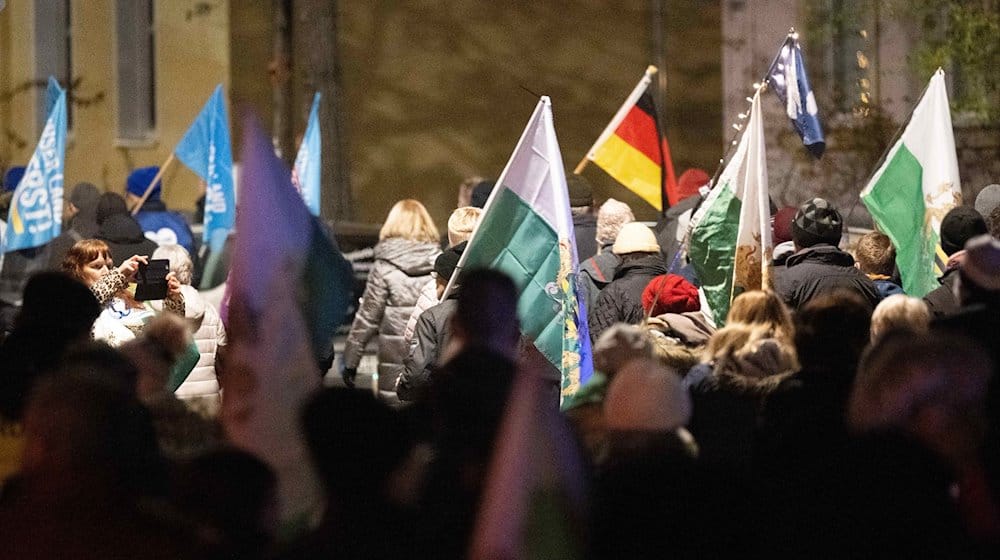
138,182
13,177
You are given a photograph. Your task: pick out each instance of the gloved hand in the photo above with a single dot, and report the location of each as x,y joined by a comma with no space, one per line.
348,374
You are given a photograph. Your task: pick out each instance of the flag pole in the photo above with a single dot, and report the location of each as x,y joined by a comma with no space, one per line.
535,115
763,84
631,100
149,189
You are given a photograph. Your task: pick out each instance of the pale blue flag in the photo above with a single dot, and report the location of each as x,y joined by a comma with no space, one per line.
206,150
306,171
52,93
35,216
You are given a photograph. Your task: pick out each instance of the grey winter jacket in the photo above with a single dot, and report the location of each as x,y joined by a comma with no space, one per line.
402,267
432,335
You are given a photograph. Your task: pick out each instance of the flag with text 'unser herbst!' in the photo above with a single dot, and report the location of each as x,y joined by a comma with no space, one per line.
526,232
915,186
788,79
634,151
730,245
35,215
279,240
306,171
206,150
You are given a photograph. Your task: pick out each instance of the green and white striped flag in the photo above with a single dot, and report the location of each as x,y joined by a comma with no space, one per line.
526,232
730,246
915,186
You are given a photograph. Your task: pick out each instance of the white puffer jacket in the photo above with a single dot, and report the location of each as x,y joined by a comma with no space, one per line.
209,334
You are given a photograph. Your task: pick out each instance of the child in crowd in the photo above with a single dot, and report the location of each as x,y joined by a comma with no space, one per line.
876,257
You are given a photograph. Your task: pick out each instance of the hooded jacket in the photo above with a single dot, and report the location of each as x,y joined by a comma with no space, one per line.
432,334
621,300
117,228
165,226
597,272
821,269
401,269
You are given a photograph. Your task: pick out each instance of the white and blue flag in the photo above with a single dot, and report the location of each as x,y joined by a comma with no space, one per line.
788,78
306,171
206,150
35,216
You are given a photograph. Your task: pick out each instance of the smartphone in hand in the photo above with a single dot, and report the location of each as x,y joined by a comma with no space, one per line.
151,280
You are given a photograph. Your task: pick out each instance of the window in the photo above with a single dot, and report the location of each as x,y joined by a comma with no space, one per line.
52,54
135,38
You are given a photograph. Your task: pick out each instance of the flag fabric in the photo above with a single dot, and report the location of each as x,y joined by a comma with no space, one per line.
534,497
788,79
52,93
206,150
730,246
634,151
35,215
274,373
306,171
526,231
915,186
280,240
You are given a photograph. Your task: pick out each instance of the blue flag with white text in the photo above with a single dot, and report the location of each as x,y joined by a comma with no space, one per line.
206,150
35,215
306,171
788,78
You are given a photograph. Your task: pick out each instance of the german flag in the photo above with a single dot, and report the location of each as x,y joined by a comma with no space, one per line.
634,151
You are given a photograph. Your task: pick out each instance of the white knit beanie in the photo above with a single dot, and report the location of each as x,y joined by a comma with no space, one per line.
635,238
612,215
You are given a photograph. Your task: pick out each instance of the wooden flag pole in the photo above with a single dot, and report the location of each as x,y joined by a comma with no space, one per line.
149,189
619,116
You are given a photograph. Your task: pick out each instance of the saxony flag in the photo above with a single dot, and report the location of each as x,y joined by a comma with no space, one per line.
526,232
915,186
634,151
730,245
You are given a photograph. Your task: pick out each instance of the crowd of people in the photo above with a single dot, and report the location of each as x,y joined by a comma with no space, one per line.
830,414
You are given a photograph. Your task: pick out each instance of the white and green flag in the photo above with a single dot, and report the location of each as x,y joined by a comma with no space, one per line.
526,232
915,186
730,245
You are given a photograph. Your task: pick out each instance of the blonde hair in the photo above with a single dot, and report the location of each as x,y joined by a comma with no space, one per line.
900,312
461,223
875,253
180,261
737,344
763,307
409,219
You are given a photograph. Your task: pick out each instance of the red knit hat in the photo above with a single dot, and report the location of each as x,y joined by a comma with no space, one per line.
690,181
782,226
671,294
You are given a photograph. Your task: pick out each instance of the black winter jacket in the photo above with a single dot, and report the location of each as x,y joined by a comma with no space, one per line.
125,238
818,270
431,336
597,272
621,300
941,301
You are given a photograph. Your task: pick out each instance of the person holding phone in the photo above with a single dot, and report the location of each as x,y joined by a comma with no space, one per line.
122,316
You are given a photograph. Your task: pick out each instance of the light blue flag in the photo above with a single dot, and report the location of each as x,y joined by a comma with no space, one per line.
52,93
306,171
206,150
35,216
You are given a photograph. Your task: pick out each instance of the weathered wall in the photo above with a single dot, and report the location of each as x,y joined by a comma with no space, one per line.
436,90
